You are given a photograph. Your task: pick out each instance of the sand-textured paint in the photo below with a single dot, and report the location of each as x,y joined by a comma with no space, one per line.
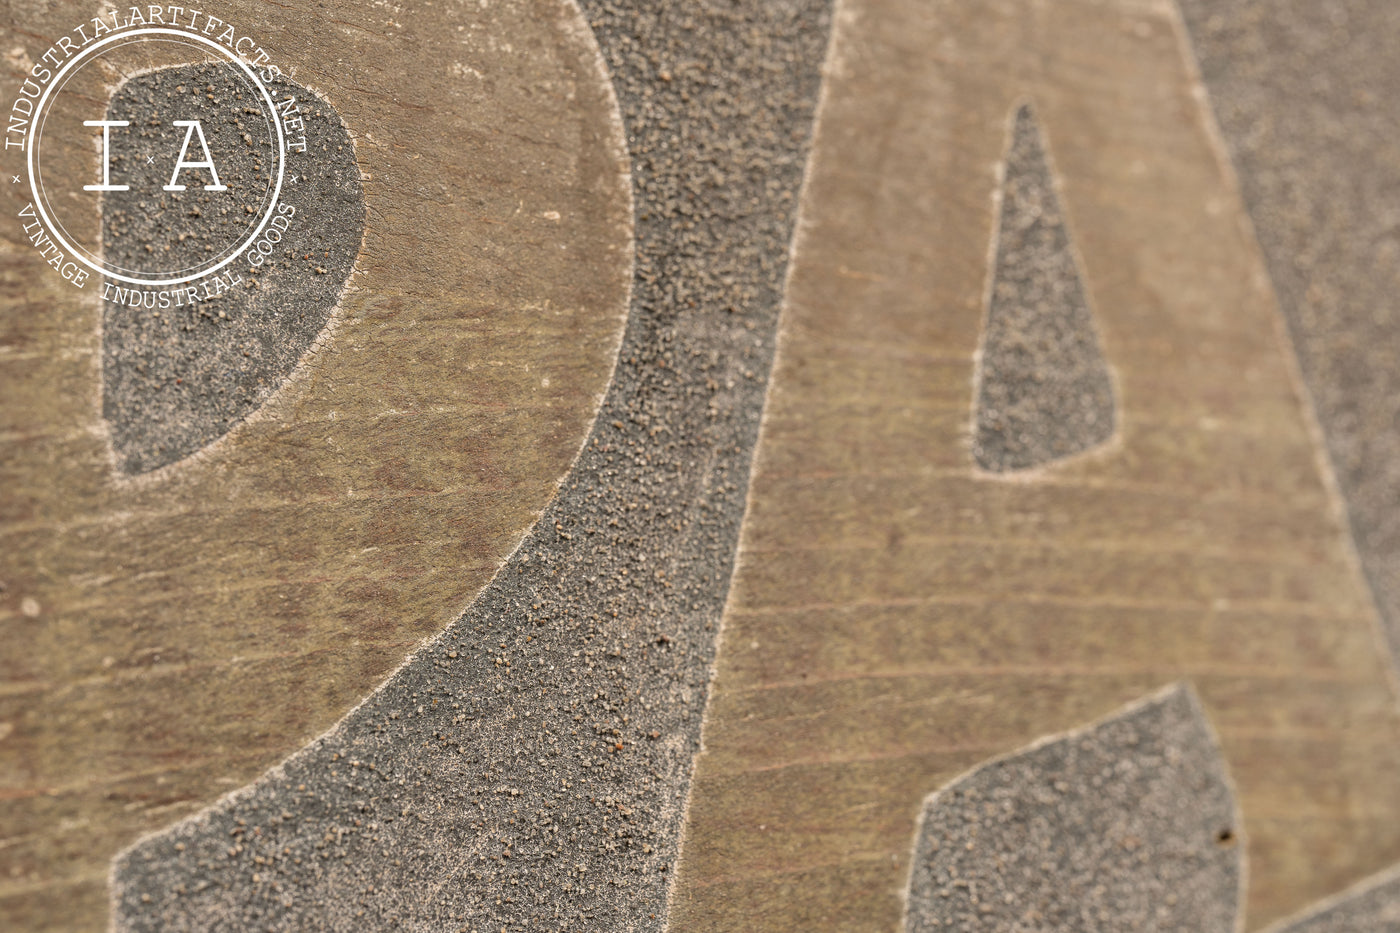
1304,93
1125,824
530,767
1044,392
177,376
170,637
898,617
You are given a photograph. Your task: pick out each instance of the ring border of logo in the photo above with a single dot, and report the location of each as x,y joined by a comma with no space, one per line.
34,132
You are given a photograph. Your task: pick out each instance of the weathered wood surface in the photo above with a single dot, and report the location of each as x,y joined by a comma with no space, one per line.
898,617
170,637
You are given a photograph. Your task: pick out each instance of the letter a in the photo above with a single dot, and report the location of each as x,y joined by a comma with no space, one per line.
208,162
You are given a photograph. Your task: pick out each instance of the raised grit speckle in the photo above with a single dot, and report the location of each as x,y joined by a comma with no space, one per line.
177,375
1044,391
1127,825
532,764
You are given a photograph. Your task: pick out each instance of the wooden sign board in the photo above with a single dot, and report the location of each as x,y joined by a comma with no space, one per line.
879,466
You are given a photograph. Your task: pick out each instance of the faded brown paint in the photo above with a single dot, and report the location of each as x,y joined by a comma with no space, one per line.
195,627
898,618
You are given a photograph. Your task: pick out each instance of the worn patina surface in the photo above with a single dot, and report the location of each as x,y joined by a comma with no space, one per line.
899,617
918,593
170,637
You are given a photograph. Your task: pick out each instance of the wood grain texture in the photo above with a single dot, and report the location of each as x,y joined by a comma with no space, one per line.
170,638
896,618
